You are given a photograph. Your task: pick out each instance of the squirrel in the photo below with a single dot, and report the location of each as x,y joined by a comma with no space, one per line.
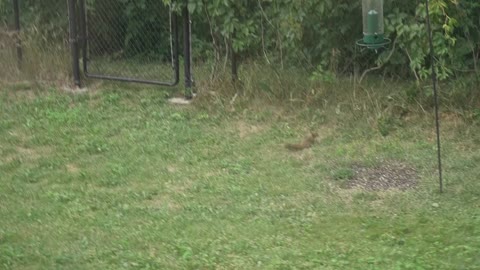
306,143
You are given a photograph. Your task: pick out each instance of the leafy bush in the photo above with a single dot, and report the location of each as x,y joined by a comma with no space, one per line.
316,34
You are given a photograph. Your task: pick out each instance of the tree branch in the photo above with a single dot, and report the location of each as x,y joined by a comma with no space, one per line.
380,65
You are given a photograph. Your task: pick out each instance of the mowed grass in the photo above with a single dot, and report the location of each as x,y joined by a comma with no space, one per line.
119,179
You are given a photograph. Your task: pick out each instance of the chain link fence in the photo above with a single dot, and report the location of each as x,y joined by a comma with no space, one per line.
8,58
120,40
34,42
129,41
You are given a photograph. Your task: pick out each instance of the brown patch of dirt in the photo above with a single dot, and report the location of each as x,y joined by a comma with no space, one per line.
179,187
32,154
72,168
26,151
163,202
385,176
24,94
172,169
159,201
306,155
451,117
7,159
245,129
25,154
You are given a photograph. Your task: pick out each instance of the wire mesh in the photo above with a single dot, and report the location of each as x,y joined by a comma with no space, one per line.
39,51
8,41
126,39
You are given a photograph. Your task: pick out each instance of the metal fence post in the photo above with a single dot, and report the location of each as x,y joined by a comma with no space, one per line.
176,47
73,38
18,42
234,59
83,32
187,48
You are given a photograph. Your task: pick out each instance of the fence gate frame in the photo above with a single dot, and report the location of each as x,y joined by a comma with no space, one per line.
78,38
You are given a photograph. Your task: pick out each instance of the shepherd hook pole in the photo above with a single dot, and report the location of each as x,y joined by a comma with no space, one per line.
435,94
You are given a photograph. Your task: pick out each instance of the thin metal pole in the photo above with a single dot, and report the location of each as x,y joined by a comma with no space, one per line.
83,32
18,42
187,51
234,60
435,94
176,46
234,66
72,18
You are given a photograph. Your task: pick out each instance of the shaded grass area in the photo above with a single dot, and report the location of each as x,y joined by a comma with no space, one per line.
118,179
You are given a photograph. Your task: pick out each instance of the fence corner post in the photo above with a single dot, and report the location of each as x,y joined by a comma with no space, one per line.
18,41
187,51
73,40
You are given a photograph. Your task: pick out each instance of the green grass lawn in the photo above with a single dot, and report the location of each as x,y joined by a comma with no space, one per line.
119,179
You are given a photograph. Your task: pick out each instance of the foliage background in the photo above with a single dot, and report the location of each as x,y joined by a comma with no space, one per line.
318,35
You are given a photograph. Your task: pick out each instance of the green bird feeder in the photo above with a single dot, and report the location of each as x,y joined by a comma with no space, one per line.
373,34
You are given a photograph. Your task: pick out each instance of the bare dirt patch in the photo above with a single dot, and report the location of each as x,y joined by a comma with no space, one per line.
172,169
33,153
72,168
385,176
305,156
244,129
27,152
179,187
24,95
163,202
